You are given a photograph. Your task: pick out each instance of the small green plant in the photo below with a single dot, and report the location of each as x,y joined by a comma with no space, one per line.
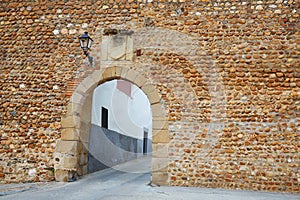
50,169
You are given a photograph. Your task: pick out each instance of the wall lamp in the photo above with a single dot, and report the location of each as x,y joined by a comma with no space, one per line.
86,43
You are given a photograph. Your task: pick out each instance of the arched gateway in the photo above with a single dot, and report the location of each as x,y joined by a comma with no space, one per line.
180,87
71,154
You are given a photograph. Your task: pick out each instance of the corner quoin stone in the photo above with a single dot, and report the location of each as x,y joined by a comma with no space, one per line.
61,175
160,136
70,162
70,121
159,164
67,147
70,134
160,179
159,150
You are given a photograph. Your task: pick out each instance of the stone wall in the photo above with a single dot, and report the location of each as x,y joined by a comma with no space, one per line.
227,72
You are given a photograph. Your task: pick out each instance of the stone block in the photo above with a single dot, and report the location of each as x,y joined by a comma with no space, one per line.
61,175
140,80
79,171
70,162
104,45
73,109
82,170
70,122
124,72
160,136
85,131
89,83
118,71
85,114
69,134
131,75
85,146
160,150
153,97
159,124
123,64
129,48
96,76
160,178
58,158
159,164
83,160
109,72
79,147
157,111
148,88
81,89
67,147
117,47
77,98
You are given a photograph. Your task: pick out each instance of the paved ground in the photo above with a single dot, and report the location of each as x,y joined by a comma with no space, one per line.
112,184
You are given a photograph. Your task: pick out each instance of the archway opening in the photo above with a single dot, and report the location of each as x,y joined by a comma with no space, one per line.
71,151
121,127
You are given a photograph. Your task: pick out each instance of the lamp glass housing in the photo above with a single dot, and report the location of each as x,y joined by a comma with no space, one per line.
85,42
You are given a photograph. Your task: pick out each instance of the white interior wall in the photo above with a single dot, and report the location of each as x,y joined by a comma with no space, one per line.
126,115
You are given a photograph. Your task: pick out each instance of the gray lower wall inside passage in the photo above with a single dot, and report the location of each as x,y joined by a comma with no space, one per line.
108,148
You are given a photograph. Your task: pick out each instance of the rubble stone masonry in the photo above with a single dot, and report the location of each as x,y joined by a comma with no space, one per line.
228,75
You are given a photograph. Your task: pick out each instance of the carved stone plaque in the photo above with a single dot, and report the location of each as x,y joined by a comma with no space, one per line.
117,47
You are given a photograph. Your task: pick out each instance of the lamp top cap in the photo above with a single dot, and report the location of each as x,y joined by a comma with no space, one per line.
85,35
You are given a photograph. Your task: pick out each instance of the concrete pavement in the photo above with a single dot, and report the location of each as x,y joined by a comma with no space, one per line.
118,184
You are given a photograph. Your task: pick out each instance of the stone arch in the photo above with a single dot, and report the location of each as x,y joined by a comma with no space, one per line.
71,150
